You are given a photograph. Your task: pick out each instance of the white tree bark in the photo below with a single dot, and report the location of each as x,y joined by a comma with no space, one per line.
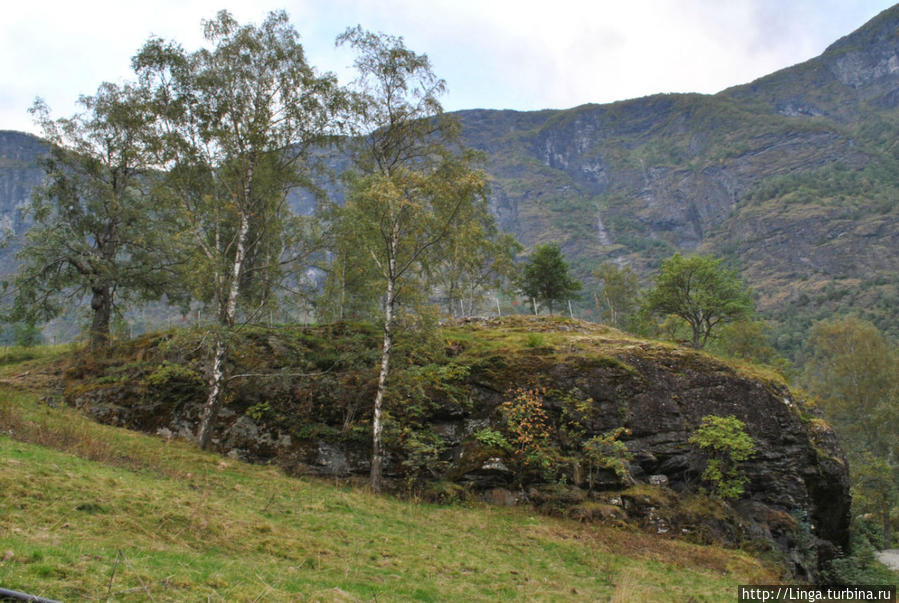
217,377
377,457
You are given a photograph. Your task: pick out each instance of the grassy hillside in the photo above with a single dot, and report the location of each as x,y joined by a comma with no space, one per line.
93,512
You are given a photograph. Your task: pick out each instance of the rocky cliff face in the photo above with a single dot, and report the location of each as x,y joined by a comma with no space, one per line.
300,398
19,174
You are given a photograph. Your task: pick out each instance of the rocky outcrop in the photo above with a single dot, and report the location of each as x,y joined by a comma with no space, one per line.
305,407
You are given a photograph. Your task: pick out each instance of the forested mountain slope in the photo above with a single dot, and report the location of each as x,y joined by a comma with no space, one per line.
794,178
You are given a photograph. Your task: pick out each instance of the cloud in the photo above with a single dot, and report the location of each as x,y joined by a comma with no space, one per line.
520,54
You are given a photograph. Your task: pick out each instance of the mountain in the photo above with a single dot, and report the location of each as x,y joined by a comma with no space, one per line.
793,178
19,174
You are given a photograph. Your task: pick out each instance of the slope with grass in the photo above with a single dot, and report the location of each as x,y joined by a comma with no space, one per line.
91,512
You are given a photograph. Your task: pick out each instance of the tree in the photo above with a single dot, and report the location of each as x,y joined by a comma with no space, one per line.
234,125
617,296
97,233
699,291
854,370
477,259
875,490
410,190
545,277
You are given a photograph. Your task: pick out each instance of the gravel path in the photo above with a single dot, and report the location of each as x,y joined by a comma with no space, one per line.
889,558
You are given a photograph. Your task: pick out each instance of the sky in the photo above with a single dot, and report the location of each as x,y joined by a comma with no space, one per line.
495,54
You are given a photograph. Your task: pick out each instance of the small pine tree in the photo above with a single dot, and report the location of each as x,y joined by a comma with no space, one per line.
545,277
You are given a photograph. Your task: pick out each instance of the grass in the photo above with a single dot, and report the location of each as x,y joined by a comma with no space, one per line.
16,354
92,512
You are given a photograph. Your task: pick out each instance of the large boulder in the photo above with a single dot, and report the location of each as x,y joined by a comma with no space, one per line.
306,405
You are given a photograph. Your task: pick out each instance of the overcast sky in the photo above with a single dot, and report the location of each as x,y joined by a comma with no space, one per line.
498,54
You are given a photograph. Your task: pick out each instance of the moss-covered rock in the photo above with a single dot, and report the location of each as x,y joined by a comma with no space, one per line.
301,397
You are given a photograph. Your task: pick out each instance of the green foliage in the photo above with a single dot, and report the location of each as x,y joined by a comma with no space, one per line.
861,565
750,341
167,372
26,334
699,291
607,451
174,382
232,125
875,491
617,296
98,233
492,439
854,370
260,411
535,340
725,444
545,278
421,449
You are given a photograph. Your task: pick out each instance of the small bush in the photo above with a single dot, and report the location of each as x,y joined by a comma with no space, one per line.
726,445
492,439
529,431
534,340
607,451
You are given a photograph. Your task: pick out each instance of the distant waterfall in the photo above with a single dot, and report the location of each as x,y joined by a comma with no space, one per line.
601,232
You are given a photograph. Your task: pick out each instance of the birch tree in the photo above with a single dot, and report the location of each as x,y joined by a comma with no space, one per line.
234,125
476,260
411,187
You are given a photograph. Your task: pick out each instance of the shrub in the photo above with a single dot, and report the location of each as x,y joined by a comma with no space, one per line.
492,439
607,451
529,429
534,340
726,445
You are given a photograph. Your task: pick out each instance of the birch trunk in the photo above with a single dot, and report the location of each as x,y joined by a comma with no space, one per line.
217,378
377,427
210,409
376,455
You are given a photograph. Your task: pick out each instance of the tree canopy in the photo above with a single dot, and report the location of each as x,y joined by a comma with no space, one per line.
544,277
92,235
698,290
618,293
854,370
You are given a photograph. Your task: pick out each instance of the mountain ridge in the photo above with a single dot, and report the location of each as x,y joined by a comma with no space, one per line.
792,178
